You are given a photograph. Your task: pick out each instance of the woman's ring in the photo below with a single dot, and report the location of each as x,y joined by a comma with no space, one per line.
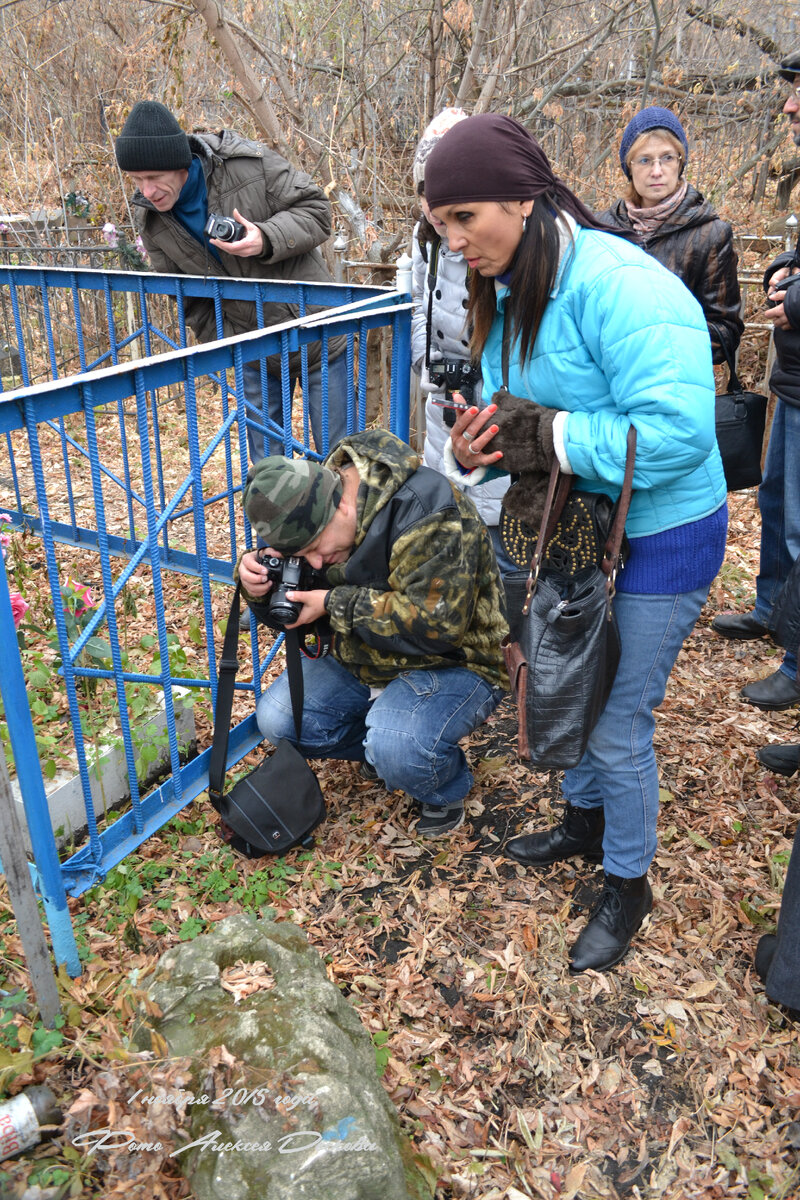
472,450
467,436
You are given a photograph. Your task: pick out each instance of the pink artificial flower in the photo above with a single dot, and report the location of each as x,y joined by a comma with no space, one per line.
18,607
5,541
140,246
83,593
110,234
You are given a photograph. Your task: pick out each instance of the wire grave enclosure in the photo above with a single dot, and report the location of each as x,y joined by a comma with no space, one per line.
120,491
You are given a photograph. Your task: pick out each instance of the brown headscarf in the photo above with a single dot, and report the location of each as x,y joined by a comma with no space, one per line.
493,157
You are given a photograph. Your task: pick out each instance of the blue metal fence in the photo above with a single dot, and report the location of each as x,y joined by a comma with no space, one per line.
130,472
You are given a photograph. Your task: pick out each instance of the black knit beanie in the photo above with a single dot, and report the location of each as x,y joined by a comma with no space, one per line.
152,140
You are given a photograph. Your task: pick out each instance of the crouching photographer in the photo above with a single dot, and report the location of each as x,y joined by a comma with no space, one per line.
414,601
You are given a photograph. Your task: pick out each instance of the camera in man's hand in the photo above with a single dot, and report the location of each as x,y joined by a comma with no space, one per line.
224,229
782,286
291,574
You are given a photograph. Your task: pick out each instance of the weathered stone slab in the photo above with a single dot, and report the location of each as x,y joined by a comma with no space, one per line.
306,1116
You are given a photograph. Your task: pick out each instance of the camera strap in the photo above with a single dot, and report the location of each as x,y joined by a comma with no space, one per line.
433,267
226,680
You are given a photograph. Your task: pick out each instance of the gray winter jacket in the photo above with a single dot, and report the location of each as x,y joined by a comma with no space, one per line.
290,210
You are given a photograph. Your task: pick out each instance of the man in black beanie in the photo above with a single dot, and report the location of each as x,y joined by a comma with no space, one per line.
282,217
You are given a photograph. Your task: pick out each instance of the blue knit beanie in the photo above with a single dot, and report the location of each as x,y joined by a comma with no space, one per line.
645,121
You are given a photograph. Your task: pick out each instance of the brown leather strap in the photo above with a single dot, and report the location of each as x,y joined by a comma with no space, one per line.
613,546
558,488
557,491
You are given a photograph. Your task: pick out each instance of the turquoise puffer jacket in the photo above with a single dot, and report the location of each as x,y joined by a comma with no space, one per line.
623,340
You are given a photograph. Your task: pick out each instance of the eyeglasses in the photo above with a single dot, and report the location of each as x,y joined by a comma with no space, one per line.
666,160
794,88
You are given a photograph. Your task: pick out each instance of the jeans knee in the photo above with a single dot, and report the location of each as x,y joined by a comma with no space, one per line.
401,765
274,722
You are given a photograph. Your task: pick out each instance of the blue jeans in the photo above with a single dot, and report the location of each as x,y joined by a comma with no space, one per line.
779,503
329,421
507,565
618,770
409,732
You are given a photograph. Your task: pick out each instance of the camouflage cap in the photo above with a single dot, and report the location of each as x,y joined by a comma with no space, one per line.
289,501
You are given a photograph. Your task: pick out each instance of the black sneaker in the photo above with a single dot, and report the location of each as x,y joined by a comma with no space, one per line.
434,822
368,772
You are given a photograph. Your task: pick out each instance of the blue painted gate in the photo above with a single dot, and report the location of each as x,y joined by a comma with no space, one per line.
125,448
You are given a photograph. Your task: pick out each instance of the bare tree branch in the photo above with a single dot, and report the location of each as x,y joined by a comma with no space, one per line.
260,106
476,49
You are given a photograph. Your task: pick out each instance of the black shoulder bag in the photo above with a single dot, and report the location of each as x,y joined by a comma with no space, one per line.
740,420
565,650
277,805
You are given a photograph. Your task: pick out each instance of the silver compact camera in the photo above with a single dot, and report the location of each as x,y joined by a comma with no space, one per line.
224,229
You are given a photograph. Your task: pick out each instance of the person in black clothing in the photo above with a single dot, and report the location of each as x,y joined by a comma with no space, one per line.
779,493
671,220
777,958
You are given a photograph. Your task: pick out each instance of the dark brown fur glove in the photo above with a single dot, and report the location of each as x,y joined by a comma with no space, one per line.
525,435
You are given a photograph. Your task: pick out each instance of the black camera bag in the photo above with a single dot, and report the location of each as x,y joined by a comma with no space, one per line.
280,803
740,420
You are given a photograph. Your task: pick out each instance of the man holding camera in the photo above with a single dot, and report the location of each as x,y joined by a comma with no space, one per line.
779,496
779,493
415,605
218,204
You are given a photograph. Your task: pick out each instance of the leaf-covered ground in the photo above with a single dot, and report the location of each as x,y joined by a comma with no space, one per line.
672,1076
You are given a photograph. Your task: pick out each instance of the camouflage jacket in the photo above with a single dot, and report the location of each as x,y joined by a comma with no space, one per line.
421,588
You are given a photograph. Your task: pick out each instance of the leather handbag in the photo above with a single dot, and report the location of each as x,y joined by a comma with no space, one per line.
575,540
280,803
564,658
740,420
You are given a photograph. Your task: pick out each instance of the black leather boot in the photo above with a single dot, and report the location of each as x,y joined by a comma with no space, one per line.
622,907
580,832
785,760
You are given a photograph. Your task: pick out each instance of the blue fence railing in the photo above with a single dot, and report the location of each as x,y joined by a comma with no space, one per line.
130,473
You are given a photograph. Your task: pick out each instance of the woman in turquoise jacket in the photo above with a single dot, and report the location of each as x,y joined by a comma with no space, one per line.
600,336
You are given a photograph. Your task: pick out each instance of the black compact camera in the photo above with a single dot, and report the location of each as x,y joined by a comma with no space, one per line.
224,229
288,575
783,286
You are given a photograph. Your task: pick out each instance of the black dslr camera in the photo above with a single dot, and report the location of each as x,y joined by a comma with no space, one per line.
224,229
454,375
288,575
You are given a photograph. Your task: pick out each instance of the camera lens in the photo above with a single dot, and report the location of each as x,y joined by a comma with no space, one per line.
283,611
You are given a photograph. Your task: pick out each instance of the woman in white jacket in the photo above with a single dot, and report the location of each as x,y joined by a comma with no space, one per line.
439,333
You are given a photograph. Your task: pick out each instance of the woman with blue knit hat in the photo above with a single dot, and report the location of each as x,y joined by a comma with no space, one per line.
671,220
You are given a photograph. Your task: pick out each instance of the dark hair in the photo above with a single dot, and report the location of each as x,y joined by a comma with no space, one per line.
533,275
426,234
